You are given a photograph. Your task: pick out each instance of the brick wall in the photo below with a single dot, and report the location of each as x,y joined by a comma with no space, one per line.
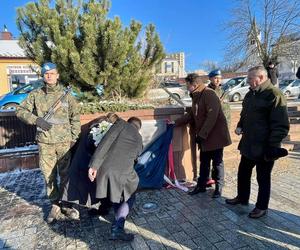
183,167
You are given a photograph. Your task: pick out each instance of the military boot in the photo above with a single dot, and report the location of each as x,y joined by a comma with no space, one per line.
55,214
118,232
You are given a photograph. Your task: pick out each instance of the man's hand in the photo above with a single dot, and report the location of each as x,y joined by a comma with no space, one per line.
273,153
92,174
43,124
238,131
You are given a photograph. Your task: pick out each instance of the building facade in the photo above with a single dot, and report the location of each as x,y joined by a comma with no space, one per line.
171,67
15,68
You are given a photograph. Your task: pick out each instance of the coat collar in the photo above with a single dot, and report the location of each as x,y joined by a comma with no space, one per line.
266,84
198,90
212,86
52,89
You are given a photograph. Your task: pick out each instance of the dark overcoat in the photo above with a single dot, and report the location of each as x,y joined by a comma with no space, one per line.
208,119
114,159
79,188
273,74
264,121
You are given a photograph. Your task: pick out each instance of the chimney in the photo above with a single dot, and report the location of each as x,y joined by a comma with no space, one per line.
5,34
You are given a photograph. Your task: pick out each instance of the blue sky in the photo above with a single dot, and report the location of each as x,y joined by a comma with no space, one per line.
192,26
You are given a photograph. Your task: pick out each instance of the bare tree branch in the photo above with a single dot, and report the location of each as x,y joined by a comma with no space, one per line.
261,29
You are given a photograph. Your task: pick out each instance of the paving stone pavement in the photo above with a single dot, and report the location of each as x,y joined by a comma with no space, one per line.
180,222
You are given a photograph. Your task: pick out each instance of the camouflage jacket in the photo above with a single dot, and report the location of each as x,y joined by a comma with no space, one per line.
264,121
225,104
65,121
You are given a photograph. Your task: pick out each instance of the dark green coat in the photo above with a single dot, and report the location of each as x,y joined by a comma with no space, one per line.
264,121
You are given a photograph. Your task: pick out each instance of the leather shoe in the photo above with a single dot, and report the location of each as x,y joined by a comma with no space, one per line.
100,211
257,213
197,189
121,235
236,201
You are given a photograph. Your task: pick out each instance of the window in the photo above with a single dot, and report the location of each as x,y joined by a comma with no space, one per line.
26,89
296,83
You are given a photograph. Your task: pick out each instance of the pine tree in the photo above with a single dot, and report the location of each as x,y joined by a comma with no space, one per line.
88,47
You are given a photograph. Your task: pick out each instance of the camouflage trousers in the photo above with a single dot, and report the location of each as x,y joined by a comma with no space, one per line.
54,163
227,112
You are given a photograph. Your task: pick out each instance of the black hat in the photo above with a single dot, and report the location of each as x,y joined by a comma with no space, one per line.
273,153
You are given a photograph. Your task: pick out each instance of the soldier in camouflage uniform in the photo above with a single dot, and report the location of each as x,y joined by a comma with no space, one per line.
215,78
54,136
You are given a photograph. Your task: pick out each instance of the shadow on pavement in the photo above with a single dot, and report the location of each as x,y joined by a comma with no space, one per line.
181,221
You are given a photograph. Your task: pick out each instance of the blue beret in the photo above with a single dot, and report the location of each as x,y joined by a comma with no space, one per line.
47,66
214,73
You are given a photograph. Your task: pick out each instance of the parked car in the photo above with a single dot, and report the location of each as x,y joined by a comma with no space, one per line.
292,89
236,88
165,91
15,97
284,83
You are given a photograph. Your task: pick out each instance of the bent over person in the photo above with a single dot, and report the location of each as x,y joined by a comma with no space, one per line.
211,132
263,125
112,165
55,135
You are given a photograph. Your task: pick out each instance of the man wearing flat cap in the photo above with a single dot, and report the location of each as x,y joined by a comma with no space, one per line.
55,135
263,125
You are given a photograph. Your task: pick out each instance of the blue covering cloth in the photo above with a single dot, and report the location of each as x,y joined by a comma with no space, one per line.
152,162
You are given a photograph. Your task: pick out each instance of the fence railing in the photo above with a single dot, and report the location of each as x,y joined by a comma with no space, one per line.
14,132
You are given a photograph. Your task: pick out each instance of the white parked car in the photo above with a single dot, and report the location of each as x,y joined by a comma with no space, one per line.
236,88
292,89
165,91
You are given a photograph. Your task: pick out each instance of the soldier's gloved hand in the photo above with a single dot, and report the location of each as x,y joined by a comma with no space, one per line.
199,139
43,124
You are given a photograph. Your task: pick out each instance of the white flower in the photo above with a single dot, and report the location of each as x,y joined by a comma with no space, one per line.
99,131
